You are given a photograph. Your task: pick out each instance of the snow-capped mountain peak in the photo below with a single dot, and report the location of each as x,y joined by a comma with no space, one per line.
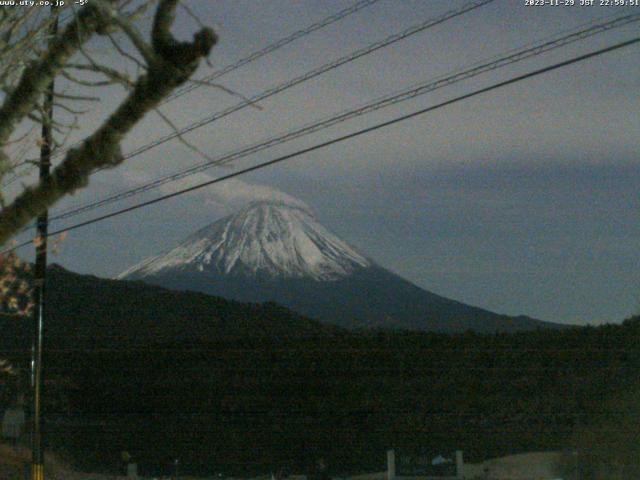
263,239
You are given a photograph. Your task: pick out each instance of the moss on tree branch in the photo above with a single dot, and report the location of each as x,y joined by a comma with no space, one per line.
36,77
174,63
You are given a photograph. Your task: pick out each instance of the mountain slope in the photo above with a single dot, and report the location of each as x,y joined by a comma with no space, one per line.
263,239
86,312
276,252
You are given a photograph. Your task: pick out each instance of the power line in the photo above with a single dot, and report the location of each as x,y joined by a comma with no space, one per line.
295,81
61,19
342,138
273,47
390,40
325,22
414,91
394,38
307,76
360,5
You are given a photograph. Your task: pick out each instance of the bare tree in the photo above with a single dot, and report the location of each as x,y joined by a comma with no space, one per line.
31,56
15,287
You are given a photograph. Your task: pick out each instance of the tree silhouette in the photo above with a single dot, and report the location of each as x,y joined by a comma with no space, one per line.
33,56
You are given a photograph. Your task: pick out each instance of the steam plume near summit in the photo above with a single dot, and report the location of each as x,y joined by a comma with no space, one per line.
269,251
225,197
236,194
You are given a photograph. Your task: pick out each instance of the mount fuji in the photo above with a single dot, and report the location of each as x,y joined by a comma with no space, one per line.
271,251
265,239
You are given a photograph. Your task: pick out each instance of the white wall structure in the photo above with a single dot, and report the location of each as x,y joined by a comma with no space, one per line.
525,466
391,465
13,423
393,475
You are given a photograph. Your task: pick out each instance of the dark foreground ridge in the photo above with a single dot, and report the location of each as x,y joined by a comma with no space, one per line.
245,389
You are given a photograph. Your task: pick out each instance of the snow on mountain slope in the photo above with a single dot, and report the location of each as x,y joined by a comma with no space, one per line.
275,252
264,238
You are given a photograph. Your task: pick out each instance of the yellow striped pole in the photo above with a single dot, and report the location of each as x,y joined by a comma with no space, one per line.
37,382
37,471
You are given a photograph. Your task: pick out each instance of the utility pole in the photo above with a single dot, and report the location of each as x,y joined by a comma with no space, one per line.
40,271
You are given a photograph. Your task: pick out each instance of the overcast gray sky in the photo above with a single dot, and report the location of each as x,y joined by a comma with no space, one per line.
522,201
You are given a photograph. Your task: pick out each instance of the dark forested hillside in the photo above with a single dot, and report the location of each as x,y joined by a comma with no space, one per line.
85,312
254,404
236,388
